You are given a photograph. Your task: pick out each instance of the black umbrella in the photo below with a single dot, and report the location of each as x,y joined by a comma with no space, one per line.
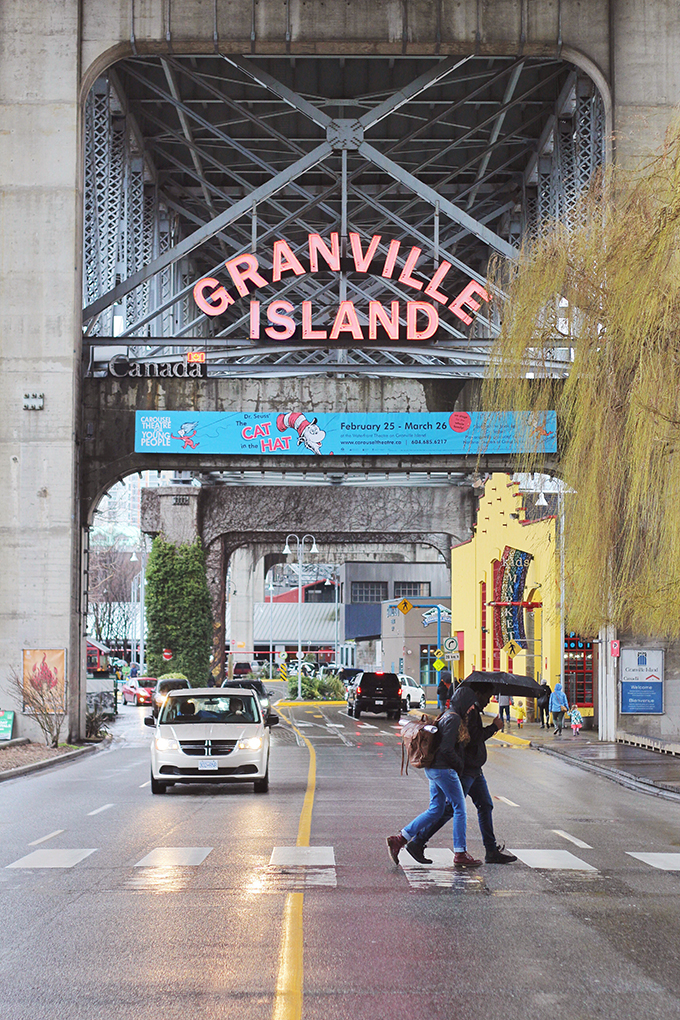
513,684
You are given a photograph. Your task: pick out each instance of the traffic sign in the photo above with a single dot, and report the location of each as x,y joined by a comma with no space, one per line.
452,656
167,654
438,664
283,656
439,653
405,606
512,648
450,644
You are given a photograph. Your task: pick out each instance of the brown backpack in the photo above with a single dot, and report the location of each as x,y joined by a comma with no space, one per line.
420,739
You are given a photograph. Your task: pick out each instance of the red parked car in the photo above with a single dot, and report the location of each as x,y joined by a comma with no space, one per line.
137,690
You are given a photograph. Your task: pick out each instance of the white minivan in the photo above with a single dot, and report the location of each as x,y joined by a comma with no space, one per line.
208,735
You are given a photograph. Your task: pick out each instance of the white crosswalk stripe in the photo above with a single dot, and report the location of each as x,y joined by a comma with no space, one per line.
52,858
441,873
663,862
553,860
174,857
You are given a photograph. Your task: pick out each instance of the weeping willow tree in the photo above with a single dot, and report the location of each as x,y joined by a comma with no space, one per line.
606,289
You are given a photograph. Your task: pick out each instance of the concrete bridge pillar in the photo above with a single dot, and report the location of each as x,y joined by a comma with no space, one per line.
246,586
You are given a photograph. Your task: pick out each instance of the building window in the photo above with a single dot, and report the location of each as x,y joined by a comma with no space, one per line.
579,670
369,591
428,656
411,589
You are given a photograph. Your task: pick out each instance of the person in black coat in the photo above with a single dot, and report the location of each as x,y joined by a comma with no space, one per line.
543,701
447,799
468,702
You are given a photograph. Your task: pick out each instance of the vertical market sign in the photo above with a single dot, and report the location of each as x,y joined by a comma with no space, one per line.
280,320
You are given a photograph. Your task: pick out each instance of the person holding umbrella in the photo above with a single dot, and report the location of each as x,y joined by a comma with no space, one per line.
467,702
447,799
543,701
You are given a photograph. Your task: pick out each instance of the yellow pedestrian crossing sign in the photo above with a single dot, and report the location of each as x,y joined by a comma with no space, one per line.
438,664
405,606
512,648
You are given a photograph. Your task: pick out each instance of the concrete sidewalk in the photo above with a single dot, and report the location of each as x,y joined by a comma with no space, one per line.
639,768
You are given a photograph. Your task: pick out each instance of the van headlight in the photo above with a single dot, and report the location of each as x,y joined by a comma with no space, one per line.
251,744
165,744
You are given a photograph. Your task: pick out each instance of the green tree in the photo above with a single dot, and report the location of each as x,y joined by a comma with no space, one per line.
605,290
178,610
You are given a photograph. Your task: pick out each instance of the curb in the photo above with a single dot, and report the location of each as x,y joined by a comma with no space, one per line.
38,766
511,740
615,775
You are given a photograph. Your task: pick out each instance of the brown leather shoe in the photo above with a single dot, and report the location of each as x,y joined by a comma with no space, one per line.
464,860
394,845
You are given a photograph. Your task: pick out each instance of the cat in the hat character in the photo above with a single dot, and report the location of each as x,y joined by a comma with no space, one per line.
308,431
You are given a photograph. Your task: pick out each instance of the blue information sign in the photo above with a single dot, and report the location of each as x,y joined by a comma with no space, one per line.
642,674
336,434
639,697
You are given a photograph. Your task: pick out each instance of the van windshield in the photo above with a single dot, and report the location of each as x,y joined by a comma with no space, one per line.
221,708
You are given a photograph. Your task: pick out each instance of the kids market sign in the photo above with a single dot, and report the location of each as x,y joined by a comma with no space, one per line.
280,320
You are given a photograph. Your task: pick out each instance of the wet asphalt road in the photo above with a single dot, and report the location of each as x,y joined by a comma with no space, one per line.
120,934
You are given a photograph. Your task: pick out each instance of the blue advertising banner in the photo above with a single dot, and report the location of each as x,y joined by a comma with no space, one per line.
340,434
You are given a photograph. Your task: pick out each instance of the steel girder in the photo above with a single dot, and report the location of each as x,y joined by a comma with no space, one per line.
189,159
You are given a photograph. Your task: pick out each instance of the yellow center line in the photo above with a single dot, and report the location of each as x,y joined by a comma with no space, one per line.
290,980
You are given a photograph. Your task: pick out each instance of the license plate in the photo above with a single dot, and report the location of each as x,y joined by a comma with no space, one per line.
209,765
379,702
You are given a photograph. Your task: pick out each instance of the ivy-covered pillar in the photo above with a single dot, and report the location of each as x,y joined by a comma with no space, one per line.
216,575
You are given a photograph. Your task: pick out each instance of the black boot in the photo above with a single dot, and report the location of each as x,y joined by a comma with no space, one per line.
417,851
499,855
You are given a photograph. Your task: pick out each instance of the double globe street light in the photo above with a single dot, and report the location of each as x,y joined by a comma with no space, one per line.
300,542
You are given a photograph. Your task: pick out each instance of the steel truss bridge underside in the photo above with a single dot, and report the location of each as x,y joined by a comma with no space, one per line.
192,160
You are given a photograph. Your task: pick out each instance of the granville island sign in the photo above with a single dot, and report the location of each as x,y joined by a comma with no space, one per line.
280,320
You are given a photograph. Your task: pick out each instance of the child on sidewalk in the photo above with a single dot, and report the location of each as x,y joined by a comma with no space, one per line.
576,720
521,713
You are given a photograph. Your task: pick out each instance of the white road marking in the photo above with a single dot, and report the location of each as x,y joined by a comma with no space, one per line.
98,811
174,857
147,783
559,860
335,725
52,859
441,857
440,873
572,839
301,724
505,800
43,839
664,862
290,856
367,726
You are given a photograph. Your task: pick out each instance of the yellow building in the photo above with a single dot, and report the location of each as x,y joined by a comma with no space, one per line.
505,588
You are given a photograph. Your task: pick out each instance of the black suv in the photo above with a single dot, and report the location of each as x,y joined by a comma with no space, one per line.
374,692
263,695
162,689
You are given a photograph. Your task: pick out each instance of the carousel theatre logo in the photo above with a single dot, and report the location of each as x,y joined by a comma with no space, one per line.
384,323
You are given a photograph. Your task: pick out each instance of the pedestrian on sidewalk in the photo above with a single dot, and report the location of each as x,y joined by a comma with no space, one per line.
444,690
558,706
468,702
543,701
576,720
521,714
445,789
504,703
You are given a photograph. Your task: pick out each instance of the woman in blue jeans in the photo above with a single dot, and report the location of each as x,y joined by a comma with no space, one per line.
445,786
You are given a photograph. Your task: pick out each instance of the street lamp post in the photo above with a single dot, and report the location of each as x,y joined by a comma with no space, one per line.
142,591
270,589
300,541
